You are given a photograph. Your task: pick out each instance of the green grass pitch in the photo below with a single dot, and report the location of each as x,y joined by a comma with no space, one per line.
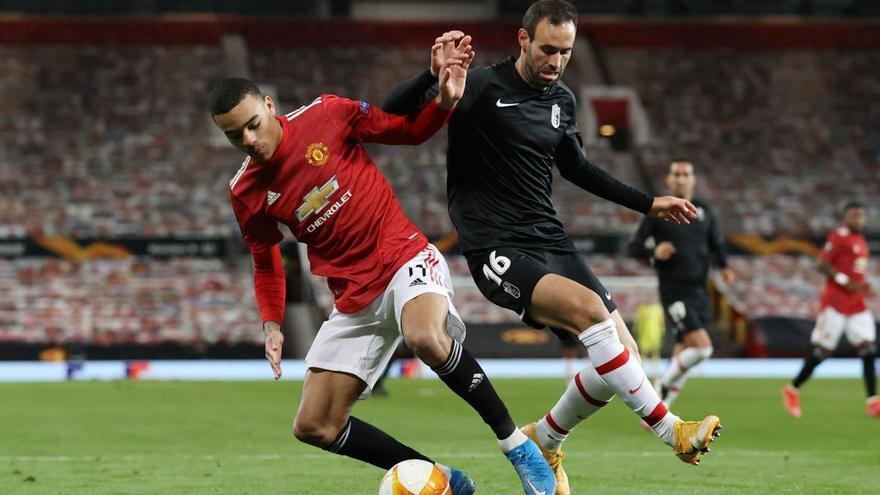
182,438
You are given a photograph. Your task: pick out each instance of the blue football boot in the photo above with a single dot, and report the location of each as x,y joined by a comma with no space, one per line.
460,483
534,472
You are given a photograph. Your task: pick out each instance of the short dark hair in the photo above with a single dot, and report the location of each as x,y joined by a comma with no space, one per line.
555,11
680,159
850,205
229,92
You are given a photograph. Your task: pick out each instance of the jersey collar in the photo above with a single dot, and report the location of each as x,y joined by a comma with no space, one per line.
280,152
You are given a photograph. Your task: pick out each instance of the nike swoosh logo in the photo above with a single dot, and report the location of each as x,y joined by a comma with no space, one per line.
534,489
608,296
499,104
632,391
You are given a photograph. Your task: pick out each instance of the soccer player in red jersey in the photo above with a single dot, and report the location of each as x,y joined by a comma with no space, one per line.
309,170
844,260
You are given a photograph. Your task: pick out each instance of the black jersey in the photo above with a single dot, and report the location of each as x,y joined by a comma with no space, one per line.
504,138
697,245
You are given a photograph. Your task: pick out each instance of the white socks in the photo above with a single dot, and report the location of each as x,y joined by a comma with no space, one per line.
673,390
515,439
625,376
676,372
585,394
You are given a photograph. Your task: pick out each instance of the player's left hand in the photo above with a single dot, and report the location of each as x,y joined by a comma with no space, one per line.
728,275
672,209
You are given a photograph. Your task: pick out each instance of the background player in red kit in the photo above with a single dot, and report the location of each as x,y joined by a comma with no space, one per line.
308,170
844,260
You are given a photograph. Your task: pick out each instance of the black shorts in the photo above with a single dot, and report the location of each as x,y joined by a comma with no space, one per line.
686,307
508,276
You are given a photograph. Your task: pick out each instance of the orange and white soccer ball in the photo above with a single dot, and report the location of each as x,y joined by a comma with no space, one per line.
414,477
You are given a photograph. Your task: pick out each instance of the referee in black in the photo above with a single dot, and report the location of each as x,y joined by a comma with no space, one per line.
682,255
514,123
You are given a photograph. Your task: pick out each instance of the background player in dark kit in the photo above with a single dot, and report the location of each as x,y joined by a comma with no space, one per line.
682,255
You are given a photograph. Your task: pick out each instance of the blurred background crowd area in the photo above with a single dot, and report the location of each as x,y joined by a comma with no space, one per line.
108,140
116,140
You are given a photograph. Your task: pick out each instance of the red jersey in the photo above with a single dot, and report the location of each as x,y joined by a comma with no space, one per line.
322,185
847,252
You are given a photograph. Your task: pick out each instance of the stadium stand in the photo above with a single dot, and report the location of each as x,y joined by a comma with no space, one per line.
113,144
116,144
781,139
134,301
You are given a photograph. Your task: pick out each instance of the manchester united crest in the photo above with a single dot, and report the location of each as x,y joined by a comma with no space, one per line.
317,154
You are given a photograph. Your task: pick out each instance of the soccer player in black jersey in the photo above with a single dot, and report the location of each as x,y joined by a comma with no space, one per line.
515,121
682,255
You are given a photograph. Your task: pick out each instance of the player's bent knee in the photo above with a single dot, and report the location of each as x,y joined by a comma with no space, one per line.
318,432
705,352
429,344
578,311
589,309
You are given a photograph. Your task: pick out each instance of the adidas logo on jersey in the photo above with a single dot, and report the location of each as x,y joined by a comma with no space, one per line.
478,379
272,197
417,281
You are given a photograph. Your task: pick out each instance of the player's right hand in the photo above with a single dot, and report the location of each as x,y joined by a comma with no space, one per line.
274,344
453,76
664,251
859,288
447,46
672,209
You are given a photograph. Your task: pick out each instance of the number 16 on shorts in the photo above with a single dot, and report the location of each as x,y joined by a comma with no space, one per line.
498,266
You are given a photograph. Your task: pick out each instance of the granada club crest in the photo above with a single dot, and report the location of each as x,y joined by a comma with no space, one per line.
554,116
317,154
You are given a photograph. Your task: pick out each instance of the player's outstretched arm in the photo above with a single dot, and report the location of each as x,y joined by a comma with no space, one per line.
372,125
413,93
672,209
575,167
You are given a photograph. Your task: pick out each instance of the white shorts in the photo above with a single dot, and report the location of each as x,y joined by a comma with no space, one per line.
364,342
830,324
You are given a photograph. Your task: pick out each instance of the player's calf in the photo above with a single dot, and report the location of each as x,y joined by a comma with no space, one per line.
364,442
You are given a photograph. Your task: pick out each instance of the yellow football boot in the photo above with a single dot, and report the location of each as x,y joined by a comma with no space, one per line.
692,438
553,457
